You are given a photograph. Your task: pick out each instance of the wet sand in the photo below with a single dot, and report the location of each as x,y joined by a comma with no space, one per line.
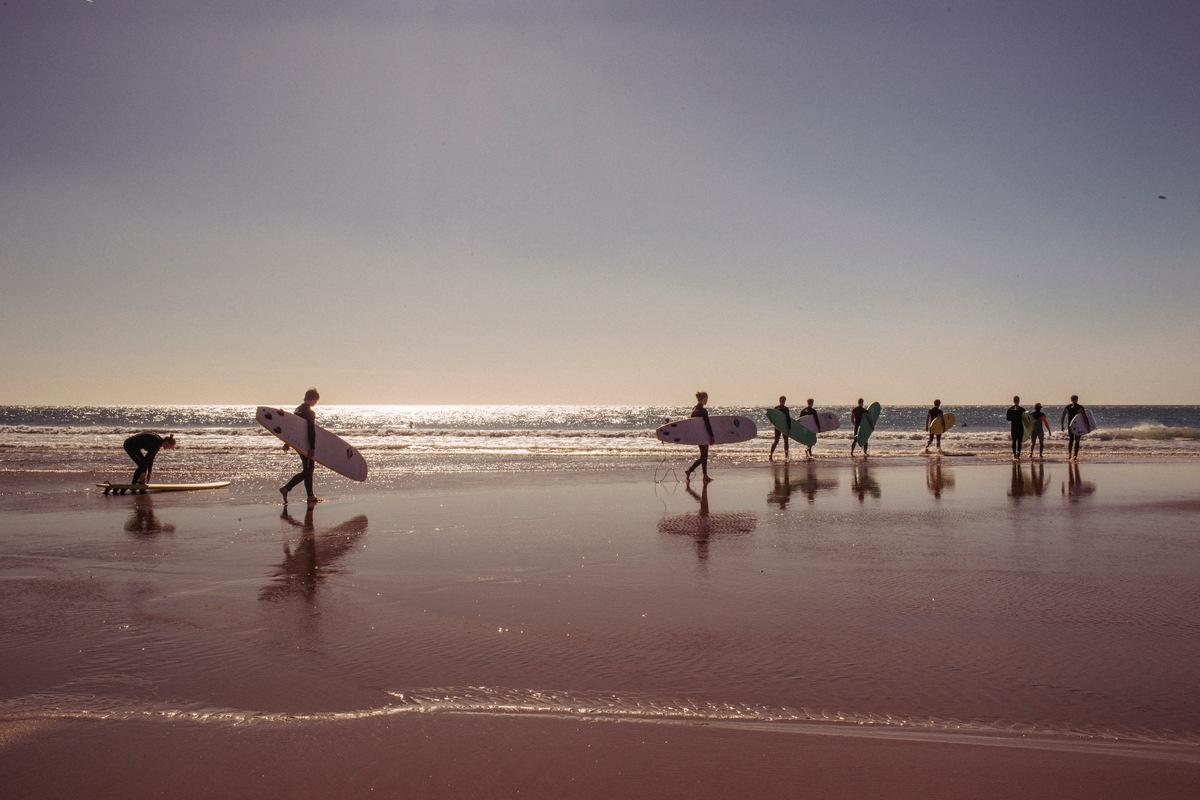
850,630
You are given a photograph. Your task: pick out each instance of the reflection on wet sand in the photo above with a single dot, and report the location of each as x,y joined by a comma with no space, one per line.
938,479
863,484
704,526
143,519
1075,488
1033,485
806,482
312,559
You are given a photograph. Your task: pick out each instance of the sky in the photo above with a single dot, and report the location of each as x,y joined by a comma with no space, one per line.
599,202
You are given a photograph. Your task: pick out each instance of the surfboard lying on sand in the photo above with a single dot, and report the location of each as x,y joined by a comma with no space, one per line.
330,451
1083,423
121,488
829,421
865,431
942,424
726,430
794,431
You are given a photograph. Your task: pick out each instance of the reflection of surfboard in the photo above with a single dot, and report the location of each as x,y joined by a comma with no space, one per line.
942,424
829,422
796,431
108,486
726,430
330,451
1083,423
1027,421
865,431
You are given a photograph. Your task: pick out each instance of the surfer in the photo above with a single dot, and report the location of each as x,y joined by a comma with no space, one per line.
858,416
787,416
1040,425
930,416
142,448
1073,438
702,461
809,411
305,410
1016,420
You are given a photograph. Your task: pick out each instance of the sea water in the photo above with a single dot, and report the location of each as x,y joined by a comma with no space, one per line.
225,440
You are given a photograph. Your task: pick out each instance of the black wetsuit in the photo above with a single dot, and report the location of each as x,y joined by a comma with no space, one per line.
1016,419
857,415
787,415
933,414
306,464
1039,432
142,448
1070,413
702,461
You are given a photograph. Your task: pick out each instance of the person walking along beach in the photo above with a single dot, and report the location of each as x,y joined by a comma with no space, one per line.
809,411
700,411
1016,420
930,416
787,415
305,410
859,416
1040,426
1069,413
142,448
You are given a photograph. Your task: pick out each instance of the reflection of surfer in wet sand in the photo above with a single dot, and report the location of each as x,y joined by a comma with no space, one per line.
143,520
1076,488
1036,486
703,526
938,479
863,484
313,558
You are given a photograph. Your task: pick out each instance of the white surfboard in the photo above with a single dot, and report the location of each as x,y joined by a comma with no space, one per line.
829,422
121,488
726,430
1083,423
330,451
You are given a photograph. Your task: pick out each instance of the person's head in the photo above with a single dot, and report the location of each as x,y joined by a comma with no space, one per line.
810,402
1016,400
1037,406
937,403
701,397
860,401
1074,398
312,396
782,399
169,441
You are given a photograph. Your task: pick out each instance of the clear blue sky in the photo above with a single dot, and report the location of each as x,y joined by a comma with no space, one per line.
590,202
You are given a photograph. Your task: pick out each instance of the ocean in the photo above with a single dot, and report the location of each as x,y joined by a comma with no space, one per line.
225,441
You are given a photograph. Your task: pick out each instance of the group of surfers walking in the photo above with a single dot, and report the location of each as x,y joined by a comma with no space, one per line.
1015,415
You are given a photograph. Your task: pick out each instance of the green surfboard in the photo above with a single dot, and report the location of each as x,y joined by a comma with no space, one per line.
865,431
796,431
1027,421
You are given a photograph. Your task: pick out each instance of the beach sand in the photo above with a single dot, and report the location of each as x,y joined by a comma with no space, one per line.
831,629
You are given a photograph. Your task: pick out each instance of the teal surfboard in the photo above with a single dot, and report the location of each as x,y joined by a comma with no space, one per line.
865,431
796,431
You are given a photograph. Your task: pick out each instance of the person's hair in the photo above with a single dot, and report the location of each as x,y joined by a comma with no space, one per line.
937,402
860,401
1037,406
782,398
1074,398
701,395
312,394
169,440
1016,398
810,401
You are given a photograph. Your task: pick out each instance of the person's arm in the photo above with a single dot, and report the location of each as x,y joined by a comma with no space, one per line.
707,424
312,434
1062,421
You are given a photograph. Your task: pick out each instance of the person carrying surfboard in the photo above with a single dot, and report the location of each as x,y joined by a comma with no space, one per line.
933,413
860,417
1064,422
1040,426
142,448
809,411
305,410
787,415
1016,421
700,411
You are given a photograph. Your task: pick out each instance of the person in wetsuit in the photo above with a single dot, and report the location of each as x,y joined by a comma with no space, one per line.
809,411
859,416
307,464
1040,426
930,416
1016,420
142,448
1069,413
787,415
702,461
